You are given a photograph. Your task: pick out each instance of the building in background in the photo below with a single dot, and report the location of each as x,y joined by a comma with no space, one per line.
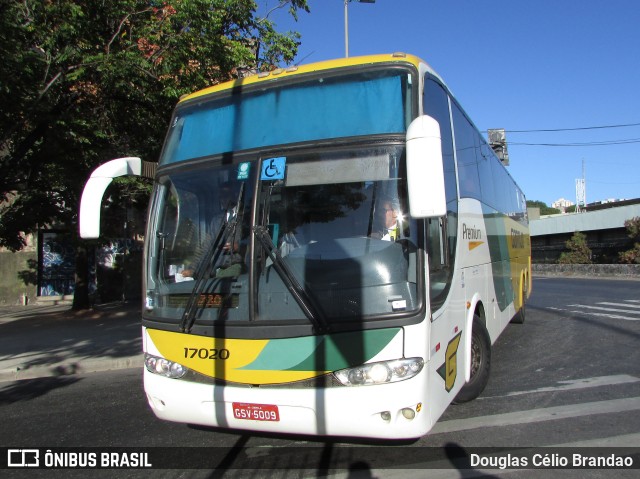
562,204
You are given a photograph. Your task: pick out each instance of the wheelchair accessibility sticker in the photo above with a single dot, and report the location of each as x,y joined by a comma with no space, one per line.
273,168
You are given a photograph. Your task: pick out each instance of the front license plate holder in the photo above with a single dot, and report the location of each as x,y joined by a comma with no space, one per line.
256,412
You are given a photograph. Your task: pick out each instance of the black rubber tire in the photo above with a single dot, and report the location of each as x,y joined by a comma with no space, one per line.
522,313
480,363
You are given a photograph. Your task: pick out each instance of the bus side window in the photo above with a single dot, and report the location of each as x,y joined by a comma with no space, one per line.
441,232
436,105
436,248
485,158
466,154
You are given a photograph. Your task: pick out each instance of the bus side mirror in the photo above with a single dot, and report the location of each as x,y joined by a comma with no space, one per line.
94,190
425,175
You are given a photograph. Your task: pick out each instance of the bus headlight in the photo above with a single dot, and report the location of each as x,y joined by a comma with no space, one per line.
164,367
381,372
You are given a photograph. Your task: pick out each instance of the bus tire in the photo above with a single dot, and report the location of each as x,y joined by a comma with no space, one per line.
480,363
521,314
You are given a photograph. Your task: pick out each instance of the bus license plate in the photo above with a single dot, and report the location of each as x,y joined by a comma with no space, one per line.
256,412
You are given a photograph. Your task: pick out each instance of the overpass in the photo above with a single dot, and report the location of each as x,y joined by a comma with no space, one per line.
603,225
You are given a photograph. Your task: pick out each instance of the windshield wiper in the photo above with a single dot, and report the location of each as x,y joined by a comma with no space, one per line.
210,259
201,275
304,300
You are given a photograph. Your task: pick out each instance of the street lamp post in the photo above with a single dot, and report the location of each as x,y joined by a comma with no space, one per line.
346,23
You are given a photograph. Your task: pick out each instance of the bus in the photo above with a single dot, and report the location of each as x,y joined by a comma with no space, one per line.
331,249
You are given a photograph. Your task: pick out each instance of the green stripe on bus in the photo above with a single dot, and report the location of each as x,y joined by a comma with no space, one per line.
324,353
498,240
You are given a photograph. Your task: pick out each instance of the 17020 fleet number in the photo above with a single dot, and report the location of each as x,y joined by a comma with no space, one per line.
206,353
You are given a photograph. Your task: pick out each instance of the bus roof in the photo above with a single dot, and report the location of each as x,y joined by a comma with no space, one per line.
312,67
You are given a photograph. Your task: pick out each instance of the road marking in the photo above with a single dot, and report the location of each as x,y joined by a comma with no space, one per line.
625,305
600,308
624,440
603,315
538,415
445,470
589,313
573,384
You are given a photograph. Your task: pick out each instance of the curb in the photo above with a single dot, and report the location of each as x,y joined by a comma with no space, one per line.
71,367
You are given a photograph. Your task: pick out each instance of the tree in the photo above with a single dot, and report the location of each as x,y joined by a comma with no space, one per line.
544,209
632,256
83,81
579,252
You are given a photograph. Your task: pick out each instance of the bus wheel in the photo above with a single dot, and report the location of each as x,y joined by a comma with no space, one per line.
480,363
521,314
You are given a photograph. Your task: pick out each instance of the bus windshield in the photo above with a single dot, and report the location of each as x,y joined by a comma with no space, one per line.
331,222
306,111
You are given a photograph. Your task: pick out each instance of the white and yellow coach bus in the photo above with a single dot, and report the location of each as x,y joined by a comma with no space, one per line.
331,249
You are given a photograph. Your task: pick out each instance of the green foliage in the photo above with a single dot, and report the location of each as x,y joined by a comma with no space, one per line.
633,228
578,251
124,210
544,209
632,256
84,81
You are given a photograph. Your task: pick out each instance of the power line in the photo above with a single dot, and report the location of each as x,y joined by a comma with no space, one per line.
590,143
574,129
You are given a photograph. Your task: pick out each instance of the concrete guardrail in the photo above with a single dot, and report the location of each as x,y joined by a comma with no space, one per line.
620,271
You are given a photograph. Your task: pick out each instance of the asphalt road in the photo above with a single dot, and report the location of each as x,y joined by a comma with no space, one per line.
568,377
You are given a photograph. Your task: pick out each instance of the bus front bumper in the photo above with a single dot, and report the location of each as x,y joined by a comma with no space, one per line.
392,411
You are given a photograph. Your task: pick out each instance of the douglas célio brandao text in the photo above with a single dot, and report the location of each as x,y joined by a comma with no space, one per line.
552,460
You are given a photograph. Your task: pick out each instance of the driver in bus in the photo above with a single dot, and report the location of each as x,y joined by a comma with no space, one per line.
232,264
387,226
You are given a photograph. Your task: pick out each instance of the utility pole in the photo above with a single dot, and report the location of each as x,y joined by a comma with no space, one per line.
581,191
346,29
346,23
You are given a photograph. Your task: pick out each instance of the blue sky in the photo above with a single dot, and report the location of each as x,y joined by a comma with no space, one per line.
517,65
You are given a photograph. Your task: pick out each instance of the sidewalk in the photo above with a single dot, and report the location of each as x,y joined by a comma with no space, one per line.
52,340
